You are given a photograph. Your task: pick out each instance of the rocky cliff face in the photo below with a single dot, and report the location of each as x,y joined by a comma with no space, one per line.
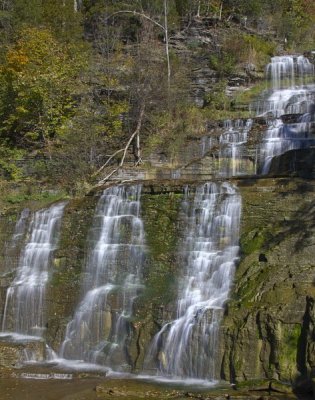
268,328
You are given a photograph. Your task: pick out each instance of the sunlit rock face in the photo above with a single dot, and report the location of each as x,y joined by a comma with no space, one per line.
272,307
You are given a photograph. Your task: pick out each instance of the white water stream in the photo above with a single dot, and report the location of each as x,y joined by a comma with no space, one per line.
112,280
25,298
293,92
186,347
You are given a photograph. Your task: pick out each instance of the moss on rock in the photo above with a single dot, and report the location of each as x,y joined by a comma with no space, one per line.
266,313
65,284
162,227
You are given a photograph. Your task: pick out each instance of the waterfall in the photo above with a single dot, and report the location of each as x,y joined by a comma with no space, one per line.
20,228
290,95
233,149
187,346
292,90
230,148
112,280
25,298
281,137
285,70
15,242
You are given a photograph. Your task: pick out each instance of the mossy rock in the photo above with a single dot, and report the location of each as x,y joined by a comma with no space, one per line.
64,286
160,213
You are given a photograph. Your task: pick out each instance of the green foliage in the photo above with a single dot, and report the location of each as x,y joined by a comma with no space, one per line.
39,80
27,193
289,345
249,95
9,168
254,241
266,47
210,114
224,63
290,19
217,99
23,197
296,23
94,131
171,129
198,7
57,15
248,8
246,49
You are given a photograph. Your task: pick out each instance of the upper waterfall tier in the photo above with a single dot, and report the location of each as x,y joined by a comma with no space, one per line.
289,70
292,89
293,92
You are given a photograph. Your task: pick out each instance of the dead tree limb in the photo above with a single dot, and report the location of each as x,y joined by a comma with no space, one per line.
107,162
124,149
164,28
136,13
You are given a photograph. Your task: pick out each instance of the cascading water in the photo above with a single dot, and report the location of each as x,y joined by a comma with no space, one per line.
290,92
290,95
232,148
15,242
24,306
20,227
289,70
100,328
186,347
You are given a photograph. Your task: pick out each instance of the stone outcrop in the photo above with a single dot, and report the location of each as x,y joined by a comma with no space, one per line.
295,162
195,42
268,328
13,352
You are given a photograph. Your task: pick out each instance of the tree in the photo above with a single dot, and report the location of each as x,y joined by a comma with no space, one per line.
59,16
164,28
39,87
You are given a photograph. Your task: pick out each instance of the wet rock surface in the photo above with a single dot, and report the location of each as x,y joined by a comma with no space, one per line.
295,162
14,352
271,310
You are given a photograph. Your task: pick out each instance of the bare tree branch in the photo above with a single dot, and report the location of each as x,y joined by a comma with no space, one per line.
167,47
107,162
164,28
136,13
124,149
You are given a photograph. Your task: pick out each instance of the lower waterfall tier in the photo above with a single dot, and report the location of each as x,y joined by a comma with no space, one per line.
267,329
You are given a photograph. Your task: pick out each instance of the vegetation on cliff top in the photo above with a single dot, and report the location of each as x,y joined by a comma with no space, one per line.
75,75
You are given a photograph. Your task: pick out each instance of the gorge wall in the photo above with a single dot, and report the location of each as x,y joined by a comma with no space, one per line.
268,327
141,226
